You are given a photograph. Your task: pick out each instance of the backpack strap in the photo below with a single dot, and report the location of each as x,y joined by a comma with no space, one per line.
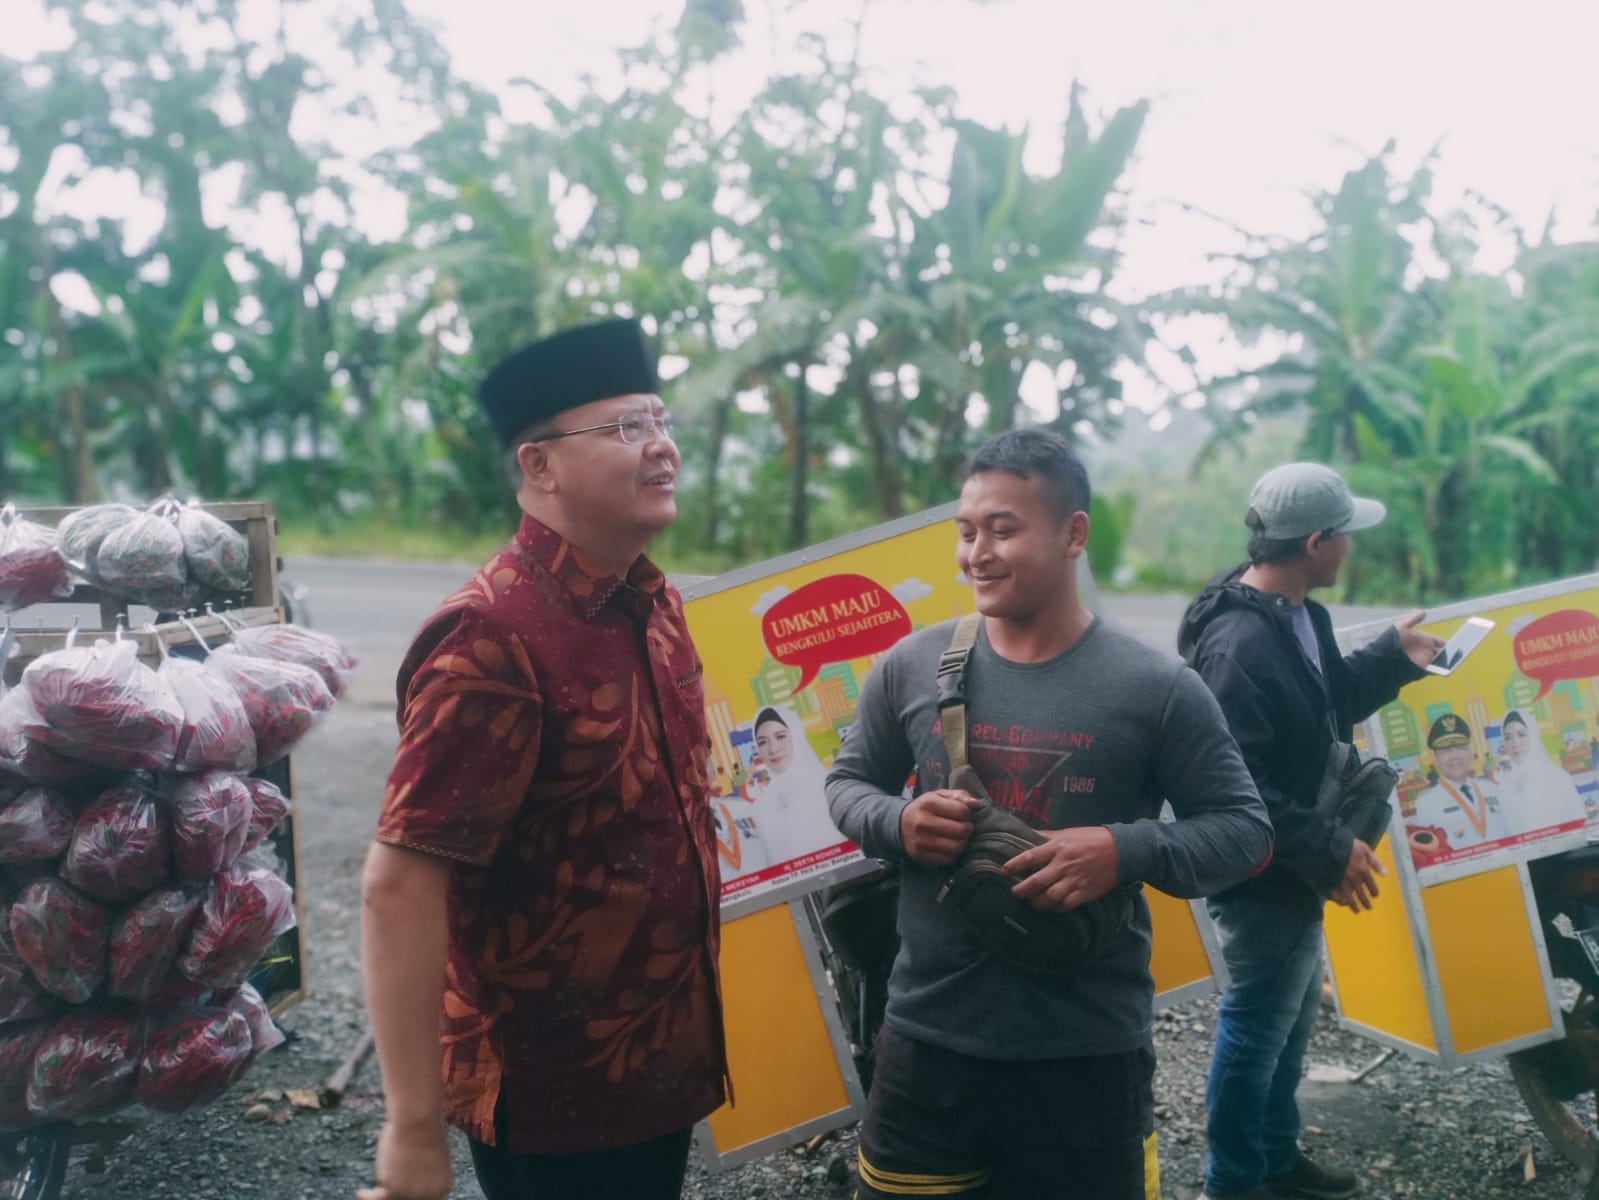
952,688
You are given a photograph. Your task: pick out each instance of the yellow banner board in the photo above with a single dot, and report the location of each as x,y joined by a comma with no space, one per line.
1499,758
786,646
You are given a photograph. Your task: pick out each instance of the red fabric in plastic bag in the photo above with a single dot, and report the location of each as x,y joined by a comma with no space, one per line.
121,845
191,1059
268,807
31,567
35,826
18,1045
101,705
325,655
21,998
217,734
245,908
210,820
147,939
216,554
62,935
80,534
282,699
34,761
85,1066
143,560
249,1004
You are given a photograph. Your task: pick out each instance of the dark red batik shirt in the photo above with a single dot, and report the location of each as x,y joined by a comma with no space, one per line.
553,742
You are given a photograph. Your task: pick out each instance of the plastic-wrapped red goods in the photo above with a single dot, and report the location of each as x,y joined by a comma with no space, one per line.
268,807
216,730
143,560
210,820
80,534
248,1003
62,935
217,554
34,761
18,1045
35,826
85,1065
325,655
244,909
120,845
282,699
146,940
21,999
101,705
31,567
192,1058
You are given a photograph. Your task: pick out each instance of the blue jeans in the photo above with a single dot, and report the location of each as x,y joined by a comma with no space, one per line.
1265,1021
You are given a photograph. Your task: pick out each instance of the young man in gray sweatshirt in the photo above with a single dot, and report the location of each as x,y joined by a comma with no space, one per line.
991,1081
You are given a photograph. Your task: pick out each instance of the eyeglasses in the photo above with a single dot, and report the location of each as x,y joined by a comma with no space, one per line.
633,428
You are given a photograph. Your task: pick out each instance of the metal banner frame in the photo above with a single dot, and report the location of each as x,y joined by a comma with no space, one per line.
1412,889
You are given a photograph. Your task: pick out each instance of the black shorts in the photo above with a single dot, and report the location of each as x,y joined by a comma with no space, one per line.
940,1123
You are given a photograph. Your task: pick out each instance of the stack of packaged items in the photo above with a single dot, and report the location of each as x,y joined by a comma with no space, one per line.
171,556
139,886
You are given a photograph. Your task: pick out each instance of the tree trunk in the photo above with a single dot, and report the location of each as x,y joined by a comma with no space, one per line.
887,485
721,415
78,481
798,509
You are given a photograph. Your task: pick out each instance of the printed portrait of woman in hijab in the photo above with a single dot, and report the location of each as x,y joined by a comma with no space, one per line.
791,809
1535,792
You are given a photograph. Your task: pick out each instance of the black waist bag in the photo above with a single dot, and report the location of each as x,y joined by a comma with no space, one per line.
979,890
1355,792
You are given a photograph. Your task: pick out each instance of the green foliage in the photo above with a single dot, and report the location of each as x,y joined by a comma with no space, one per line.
848,287
1468,403
845,276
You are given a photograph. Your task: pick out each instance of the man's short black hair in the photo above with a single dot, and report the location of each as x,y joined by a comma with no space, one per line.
1279,550
1041,453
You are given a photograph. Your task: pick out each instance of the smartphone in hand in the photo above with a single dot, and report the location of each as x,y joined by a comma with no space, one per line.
1464,641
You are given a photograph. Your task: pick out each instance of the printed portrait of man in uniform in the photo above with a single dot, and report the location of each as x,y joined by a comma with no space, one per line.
1462,809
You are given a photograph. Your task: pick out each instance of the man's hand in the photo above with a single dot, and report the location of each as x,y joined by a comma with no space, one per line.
1421,648
1358,888
412,1164
936,826
1072,867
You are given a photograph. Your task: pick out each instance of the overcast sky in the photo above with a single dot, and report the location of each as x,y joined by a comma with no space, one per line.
1254,102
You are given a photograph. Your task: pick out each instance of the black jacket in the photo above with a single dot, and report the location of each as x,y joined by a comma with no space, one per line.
1241,641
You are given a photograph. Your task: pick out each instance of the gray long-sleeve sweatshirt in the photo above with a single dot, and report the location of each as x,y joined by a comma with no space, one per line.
1100,734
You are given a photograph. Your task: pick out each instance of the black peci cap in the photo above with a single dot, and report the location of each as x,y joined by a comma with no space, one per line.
573,367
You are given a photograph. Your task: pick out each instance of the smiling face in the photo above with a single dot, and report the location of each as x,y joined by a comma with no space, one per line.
1518,741
1018,553
776,745
1454,762
596,488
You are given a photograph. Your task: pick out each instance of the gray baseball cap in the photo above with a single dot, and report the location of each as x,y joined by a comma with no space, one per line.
1299,499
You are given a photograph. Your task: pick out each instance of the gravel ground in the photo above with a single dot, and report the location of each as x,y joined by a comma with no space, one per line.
1412,1131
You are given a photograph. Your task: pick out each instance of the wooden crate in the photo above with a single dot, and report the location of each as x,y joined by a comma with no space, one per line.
253,518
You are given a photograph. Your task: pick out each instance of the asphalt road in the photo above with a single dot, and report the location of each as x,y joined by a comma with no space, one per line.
376,605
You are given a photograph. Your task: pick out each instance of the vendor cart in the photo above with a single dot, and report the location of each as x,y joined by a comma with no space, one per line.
1485,939
33,1162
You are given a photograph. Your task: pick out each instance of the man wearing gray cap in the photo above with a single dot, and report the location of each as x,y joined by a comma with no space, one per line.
539,907
1267,652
